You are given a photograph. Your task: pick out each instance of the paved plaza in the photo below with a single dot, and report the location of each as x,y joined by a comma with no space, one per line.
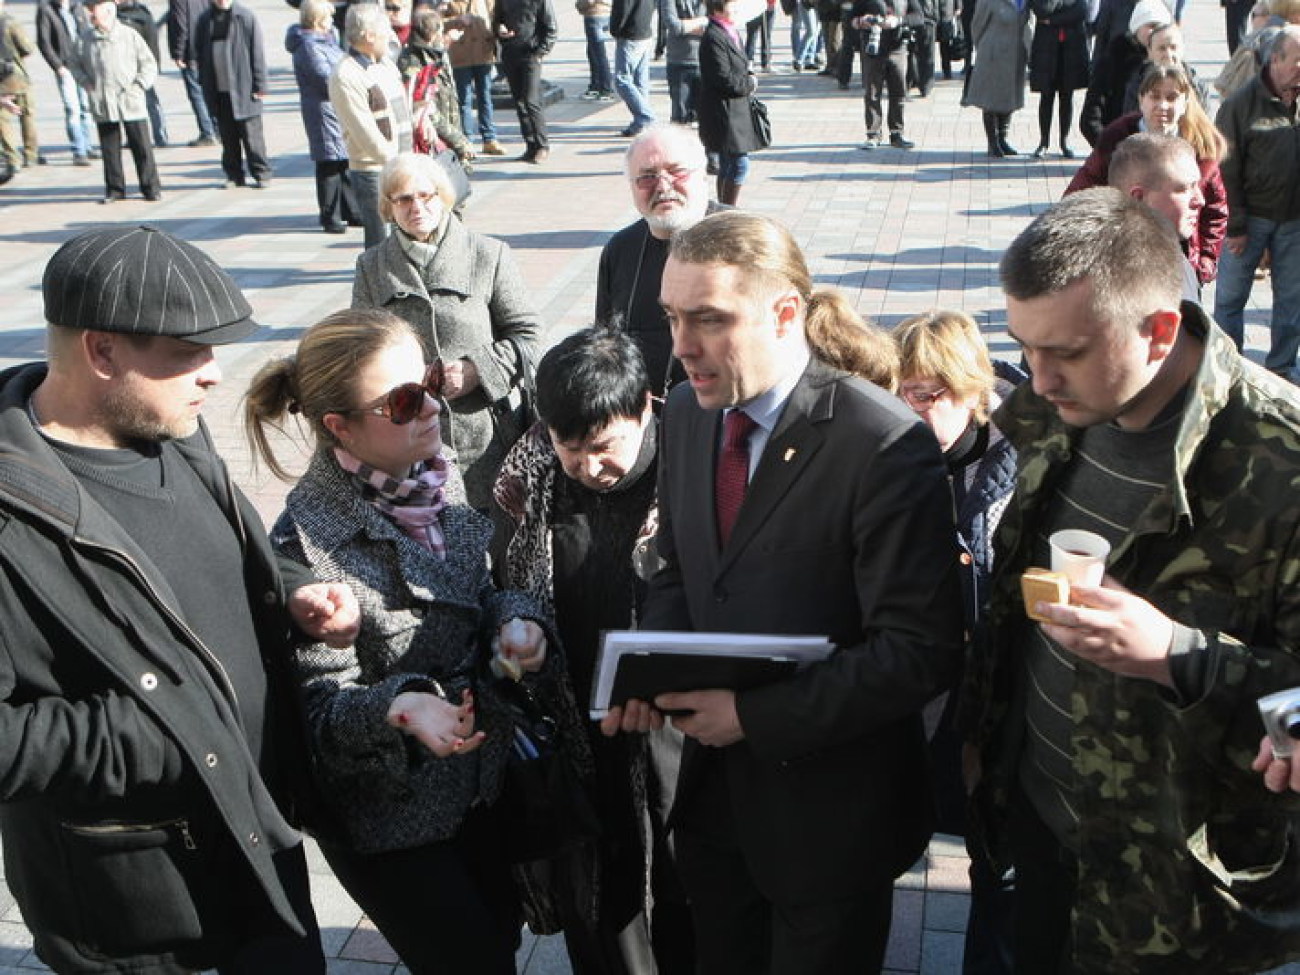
899,232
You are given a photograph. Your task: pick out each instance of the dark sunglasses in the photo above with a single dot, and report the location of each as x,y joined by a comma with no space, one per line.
403,403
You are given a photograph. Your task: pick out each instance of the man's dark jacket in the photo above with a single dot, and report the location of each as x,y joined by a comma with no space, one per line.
120,740
246,66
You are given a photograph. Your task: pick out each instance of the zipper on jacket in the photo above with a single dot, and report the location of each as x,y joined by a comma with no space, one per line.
180,826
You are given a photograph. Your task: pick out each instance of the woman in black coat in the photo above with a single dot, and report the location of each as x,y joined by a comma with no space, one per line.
726,125
1058,64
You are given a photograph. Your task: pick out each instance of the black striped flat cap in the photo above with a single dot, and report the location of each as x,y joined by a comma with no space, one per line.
143,281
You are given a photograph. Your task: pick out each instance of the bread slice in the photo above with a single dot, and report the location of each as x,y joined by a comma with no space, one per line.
1043,586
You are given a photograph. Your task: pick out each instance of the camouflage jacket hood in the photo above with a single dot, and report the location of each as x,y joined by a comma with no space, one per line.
1186,862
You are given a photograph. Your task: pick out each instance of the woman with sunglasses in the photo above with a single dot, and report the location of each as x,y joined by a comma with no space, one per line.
409,733
464,295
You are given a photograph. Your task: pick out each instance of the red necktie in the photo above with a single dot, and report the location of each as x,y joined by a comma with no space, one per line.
733,470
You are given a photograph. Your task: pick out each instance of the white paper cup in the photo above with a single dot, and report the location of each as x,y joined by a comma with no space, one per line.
1080,556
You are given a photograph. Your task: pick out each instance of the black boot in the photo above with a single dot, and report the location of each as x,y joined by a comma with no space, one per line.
1004,123
728,192
991,132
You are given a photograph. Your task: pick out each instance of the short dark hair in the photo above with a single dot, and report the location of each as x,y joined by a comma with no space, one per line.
1129,252
590,379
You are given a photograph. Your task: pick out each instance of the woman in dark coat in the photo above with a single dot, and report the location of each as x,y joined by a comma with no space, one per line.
726,125
1058,64
315,51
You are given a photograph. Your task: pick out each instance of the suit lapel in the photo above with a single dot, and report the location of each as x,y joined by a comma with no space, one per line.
789,451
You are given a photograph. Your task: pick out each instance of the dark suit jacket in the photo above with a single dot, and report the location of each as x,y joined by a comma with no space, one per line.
846,531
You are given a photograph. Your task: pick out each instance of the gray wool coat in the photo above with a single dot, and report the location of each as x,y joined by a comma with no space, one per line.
1000,36
421,617
469,301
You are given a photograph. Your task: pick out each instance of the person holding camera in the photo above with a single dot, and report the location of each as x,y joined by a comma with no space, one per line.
885,28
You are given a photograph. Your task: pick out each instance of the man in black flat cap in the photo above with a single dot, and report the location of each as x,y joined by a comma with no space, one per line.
148,742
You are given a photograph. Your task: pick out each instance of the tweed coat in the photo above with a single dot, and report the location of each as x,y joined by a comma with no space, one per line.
421,617
1000,37
464,306
116,69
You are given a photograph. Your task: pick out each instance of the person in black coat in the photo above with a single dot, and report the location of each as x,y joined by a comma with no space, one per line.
182,16
1058,64
232,70
526,30
726,124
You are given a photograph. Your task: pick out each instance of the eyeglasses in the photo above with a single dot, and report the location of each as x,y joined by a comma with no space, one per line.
392,9
676,176
920,398
406,199
403,403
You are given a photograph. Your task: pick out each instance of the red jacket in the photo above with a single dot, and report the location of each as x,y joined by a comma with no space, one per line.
1207,239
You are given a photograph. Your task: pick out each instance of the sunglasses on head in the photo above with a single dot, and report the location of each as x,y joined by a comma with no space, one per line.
403,403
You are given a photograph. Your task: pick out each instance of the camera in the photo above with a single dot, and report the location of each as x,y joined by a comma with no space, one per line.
873,40
1281,714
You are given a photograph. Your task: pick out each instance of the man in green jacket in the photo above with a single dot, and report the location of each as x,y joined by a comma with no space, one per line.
1116,740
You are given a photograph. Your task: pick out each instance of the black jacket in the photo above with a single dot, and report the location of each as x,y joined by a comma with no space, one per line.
125,778
909,11
533,22
632,20
182,15
722,105
137,16
245,61
52,37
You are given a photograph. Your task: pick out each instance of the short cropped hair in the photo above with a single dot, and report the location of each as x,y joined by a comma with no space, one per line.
1129,252
684,144
1146,159
406,166
315,14
588,380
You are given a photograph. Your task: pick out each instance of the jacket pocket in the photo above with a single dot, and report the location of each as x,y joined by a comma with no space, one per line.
144,865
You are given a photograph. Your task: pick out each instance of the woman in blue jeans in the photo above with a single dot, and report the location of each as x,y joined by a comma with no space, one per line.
473,56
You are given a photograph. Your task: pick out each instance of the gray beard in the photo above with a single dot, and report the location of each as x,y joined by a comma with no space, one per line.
682,218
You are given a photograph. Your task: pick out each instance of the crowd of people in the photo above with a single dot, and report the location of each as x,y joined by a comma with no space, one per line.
728,449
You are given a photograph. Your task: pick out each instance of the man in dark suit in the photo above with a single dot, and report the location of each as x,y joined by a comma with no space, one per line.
801,801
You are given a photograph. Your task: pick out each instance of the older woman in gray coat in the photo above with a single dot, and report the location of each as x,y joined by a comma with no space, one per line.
464,295
1000,43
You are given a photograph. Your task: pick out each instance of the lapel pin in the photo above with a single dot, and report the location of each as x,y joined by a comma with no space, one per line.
789,454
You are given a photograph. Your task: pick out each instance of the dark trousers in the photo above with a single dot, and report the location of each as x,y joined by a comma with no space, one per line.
524,76
242,143
758,38
850,50
1236,22
923,57
683,90
832,35
137,138
444,907
284,954
886,73
334,193
1044,894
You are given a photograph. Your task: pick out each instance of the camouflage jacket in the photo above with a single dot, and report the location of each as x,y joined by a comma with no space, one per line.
1186,862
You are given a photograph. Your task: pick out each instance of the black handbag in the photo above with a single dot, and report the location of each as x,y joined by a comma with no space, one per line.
762,124
458,174
516,412
542,796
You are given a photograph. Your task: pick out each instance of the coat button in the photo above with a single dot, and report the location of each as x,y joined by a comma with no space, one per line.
269,597
210,759
149,681
966,559
254,839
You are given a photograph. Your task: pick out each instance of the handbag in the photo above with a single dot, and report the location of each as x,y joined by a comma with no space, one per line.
542,796
516,412
761,122
459,175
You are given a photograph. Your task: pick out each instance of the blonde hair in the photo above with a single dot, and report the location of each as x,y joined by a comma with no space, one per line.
842,338
1288,10
319,378
408,166
315,14
947,346
1195,126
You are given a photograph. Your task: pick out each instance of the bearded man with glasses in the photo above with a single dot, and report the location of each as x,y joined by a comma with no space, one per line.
666,170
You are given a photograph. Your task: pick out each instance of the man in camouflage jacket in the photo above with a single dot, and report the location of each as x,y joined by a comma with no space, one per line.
1180,861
